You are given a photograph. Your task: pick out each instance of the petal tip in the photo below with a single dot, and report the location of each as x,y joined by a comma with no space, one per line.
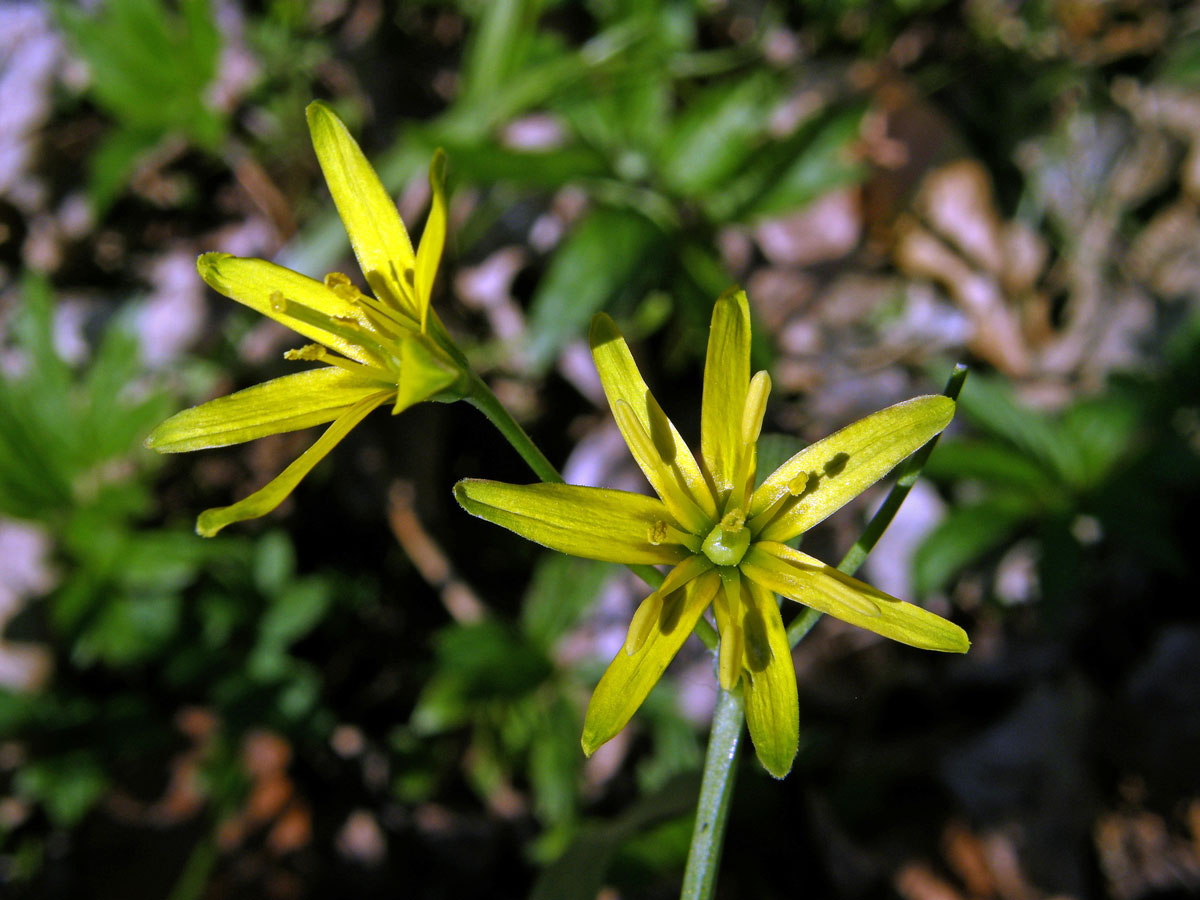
603,330
208,523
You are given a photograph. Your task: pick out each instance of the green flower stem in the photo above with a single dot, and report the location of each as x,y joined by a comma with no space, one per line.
483,399
716,787
716,793
909,472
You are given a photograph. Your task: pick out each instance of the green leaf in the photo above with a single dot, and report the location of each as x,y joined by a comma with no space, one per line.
992,405
499,44
127,630
294,612
791,174
991,463
717,132
595,264
965,535
66,786
579,874
562,587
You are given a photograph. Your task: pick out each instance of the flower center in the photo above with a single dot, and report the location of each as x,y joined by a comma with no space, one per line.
729,540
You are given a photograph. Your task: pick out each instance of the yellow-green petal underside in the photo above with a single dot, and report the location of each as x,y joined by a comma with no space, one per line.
843,465
258,284
433,238
726,380
282,404
769,690
622,381
595,523
630,677
807,580
377,234
275,491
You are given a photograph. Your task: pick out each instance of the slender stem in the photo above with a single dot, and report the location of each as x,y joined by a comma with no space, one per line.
909,472
716,794
482,398
716,787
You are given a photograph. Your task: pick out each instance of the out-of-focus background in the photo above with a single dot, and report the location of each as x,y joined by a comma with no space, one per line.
370,694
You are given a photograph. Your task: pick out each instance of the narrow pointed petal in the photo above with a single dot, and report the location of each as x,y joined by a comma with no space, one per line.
772,707
274,492
282,404
630,677
622,381
433,238
726,381
259,284
843,465
806,580
595,523
377,234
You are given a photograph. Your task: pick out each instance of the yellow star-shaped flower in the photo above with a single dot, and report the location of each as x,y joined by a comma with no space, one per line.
723,538
389,347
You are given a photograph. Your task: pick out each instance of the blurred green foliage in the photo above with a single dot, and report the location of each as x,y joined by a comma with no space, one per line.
158,617
152,68
1096,479
669,140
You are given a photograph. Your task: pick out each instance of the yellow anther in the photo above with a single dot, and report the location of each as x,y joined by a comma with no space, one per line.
796,486
307,352
729,656
756,407
644,621
278,301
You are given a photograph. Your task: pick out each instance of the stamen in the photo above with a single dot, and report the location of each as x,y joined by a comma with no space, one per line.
758,649
348,328
664,533
317,353
677,500
643,622
791,490
756,407
727,608
308,353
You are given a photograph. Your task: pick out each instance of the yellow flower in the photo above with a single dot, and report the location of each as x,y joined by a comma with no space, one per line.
386,348
723,539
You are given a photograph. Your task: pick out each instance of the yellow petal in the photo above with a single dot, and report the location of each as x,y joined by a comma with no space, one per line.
433,239
622,381
769,688
838,468
595,523
282,404
273,493
372,221
630,677
726,381
259,284
806,580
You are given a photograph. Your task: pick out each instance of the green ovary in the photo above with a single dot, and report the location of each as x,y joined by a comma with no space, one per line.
728,542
